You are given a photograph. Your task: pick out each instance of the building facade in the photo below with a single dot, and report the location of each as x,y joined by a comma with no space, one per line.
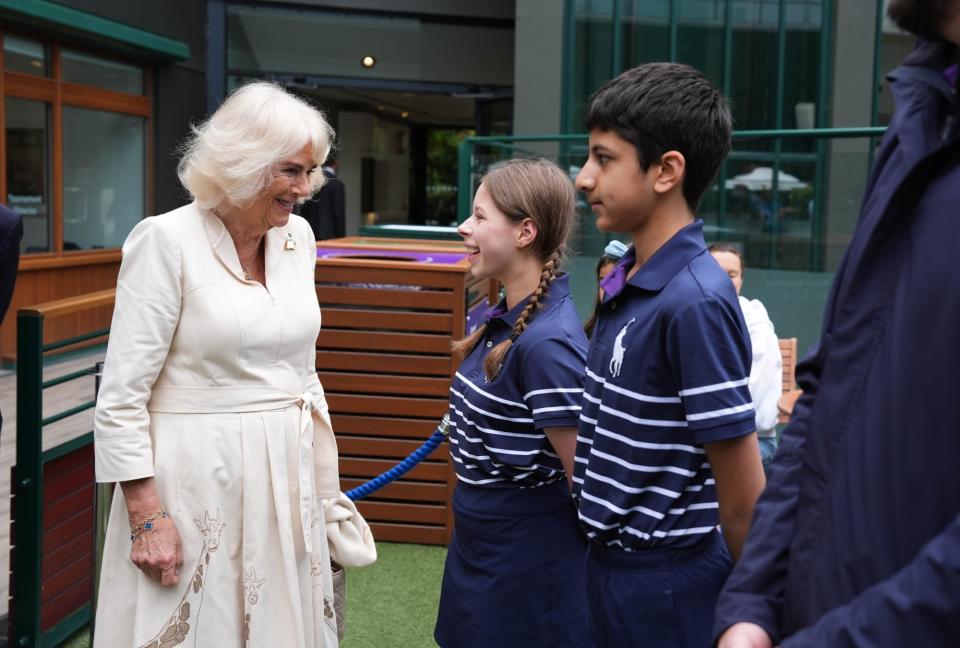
98,94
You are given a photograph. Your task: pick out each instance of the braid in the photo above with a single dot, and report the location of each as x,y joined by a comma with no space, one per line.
465,346
494,359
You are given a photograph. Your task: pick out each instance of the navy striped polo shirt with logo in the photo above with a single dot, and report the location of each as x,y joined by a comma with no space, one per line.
667,372
496,430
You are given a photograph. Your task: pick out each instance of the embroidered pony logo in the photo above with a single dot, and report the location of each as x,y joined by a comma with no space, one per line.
616,362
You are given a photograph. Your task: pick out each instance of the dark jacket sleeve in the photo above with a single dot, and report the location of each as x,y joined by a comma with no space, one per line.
9,258
916,606
754,590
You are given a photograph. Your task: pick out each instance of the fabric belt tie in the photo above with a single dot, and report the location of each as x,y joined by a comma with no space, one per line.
229,400
308,405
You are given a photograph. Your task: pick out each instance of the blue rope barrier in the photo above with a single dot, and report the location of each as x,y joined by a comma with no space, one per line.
404,466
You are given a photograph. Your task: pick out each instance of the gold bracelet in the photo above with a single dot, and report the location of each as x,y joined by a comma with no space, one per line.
147,525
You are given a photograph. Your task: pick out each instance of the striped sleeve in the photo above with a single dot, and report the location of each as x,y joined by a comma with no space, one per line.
552,374
709,354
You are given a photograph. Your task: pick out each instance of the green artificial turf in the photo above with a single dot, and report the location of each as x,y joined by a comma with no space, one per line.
390,604
79,640
393,603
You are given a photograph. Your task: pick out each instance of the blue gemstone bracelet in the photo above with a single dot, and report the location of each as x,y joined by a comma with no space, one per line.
147,525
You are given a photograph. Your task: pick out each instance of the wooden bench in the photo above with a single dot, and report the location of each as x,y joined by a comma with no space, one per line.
788,350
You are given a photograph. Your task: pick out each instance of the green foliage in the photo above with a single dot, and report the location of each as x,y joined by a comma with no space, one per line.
442,145
800,197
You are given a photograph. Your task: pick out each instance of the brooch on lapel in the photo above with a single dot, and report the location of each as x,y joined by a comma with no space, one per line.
289,243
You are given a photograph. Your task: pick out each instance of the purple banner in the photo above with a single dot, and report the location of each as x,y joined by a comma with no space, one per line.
412,256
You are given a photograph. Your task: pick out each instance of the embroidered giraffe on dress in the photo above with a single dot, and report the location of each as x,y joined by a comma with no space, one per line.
251,585
177,627
251,589
316,571
616,362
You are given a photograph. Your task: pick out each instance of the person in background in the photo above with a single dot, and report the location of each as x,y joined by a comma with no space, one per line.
11,232
611,254
326,211
608,260
766,370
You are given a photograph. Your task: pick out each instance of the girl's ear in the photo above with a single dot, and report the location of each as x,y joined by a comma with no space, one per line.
526,233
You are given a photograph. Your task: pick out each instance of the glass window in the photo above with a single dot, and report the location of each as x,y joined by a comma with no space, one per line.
24,55
28,170
646,32
92,70
753,70
592,57
700,37
103,177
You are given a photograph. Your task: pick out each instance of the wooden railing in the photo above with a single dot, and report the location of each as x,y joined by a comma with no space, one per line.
52,498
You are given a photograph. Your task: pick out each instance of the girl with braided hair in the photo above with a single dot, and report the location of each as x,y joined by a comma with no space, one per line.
514,572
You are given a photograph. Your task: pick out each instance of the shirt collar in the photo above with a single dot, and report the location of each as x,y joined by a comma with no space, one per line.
559,288
659,269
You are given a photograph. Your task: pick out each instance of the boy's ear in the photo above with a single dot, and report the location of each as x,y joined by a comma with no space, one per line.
526,233
670,172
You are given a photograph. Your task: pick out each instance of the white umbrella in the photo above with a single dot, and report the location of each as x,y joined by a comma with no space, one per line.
761,179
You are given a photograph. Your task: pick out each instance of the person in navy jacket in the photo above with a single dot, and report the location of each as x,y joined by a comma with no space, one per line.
856,540
11,231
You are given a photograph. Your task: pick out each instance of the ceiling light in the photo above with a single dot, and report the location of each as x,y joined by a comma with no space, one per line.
368,61
404,114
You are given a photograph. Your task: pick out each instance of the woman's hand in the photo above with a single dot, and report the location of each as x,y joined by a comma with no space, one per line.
158,552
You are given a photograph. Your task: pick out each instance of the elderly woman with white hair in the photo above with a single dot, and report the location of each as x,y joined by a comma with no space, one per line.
210,415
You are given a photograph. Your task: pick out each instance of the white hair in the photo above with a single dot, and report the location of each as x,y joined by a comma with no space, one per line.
233,156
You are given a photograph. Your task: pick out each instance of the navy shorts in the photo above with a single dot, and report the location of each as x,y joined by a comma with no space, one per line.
661,598
515,571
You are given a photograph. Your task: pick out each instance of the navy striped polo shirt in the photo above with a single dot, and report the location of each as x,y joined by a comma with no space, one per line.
667,372
496,428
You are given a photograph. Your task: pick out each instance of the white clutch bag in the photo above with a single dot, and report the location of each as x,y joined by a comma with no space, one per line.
349,536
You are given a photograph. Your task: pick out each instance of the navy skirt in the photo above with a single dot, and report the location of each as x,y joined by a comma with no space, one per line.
515,573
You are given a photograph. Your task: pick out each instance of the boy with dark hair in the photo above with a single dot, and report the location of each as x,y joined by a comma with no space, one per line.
666,447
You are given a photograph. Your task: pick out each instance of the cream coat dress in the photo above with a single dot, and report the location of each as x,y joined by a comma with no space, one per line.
210,387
